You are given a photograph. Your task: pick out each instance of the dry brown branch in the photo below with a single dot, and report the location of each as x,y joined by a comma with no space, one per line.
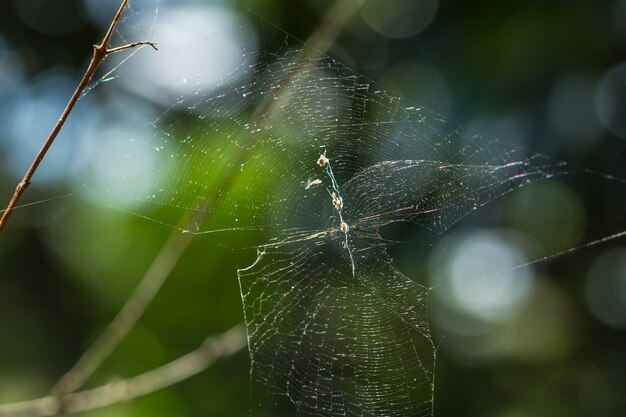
211,350
100,52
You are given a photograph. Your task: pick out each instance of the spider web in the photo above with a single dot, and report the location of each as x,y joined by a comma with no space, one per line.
318,158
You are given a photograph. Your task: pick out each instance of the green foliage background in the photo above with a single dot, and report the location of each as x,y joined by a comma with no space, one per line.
66,267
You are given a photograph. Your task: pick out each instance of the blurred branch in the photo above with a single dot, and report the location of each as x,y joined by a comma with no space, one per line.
100,52
125,320
334,21
211,350
316,46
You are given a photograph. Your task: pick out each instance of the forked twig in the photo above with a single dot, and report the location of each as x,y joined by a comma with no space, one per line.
211,350
100,52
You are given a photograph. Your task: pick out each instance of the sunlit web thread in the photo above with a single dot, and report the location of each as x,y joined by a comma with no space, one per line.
38,202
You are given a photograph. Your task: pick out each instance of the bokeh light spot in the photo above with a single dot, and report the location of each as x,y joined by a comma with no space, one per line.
30,119
610,100
173,71
399,18
135,172
478,268
605,289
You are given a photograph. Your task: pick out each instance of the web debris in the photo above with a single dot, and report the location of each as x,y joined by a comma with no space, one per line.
337,202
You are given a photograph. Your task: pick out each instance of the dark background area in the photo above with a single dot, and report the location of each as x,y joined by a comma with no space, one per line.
549,77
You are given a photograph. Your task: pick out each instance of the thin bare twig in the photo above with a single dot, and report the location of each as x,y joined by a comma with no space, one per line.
334,21
131,46
211,350
100,52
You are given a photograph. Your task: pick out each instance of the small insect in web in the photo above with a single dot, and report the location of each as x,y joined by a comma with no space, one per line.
312,183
